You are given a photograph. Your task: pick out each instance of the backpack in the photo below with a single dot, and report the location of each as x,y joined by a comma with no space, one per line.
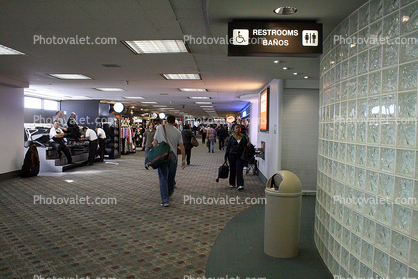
31,162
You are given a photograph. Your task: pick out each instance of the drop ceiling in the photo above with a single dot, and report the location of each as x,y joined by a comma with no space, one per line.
114,65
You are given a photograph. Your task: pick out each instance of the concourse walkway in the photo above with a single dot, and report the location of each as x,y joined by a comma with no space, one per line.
134,238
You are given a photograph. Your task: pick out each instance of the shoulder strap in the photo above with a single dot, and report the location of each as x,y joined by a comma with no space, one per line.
165,134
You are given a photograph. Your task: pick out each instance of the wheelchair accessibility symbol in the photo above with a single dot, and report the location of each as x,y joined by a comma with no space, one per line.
240,36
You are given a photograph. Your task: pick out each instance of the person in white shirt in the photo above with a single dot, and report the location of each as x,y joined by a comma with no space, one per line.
92,137
102,136
56,135
167,172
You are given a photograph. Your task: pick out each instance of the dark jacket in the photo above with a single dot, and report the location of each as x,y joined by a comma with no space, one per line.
234,148
187,137
222,133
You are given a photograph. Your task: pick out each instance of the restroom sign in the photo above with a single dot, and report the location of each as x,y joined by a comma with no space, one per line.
294,38
310,38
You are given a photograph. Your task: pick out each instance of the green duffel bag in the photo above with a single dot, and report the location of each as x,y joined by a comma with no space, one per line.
159,155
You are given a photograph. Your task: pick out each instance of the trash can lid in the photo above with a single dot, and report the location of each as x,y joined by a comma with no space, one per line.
284,182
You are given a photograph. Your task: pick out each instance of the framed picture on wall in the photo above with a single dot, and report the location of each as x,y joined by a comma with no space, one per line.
264,109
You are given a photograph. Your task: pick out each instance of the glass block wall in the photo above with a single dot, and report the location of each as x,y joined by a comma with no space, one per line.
366,222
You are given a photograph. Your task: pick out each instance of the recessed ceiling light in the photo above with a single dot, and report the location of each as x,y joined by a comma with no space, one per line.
110,89
193,89
4,50
182,76
279,61
285,10
286,68
203,103
306,77
295,74
200,98
126,97
69,76
156,46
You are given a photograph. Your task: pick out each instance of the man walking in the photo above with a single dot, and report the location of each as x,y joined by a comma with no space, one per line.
211,134
167,172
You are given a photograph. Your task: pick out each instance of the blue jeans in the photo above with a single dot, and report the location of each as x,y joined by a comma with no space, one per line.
147,149
212,142
166,176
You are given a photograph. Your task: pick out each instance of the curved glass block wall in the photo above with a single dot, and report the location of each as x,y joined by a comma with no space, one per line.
366,222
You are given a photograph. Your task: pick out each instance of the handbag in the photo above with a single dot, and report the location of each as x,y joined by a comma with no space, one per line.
194,142
159,154
178,151
223,171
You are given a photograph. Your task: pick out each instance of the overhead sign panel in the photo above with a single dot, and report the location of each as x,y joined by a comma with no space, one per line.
274,38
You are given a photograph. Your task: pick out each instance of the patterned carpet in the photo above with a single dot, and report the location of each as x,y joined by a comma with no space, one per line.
135,238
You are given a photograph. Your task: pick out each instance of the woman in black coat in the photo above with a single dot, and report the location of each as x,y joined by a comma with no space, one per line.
234,148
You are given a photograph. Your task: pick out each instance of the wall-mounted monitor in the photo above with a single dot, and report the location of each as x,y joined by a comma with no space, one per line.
264,109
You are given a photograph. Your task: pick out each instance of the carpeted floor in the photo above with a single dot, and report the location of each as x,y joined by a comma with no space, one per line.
134,238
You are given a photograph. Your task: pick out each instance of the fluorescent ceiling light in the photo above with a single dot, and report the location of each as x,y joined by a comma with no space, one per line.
109,89
78,97
200,98
45,95
182,76
126,97
149,102
206,106
156,46
159,106
203,103
4,50
193,89
69,76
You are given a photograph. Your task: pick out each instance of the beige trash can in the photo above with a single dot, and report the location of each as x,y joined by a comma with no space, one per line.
282,215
